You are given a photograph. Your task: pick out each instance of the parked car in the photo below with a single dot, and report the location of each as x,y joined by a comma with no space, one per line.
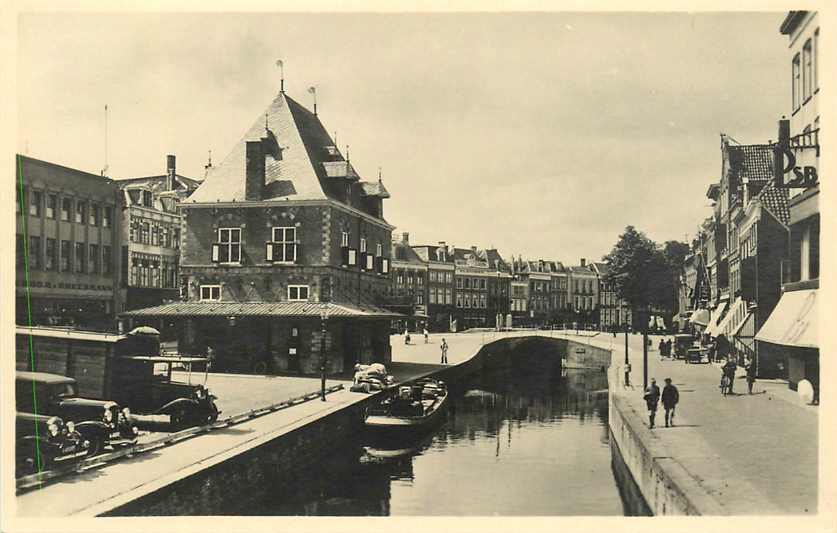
101,423
128,369
44,441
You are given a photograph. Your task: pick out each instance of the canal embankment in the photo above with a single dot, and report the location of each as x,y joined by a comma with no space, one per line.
741,454
183,472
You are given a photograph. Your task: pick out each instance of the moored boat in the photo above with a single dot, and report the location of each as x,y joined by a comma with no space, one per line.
410,407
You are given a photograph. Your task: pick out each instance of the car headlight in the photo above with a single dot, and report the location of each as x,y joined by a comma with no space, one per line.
71,427
108,416
52,426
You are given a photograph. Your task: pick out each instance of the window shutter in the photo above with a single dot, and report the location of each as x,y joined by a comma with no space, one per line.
216,252
297,249
385,266
268,252
344,259
352,257
369,262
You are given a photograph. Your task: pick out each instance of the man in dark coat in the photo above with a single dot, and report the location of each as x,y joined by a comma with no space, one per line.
670,397
652,398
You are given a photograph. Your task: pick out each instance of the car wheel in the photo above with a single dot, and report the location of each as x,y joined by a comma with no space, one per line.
97,445
213,412
178,419
27,462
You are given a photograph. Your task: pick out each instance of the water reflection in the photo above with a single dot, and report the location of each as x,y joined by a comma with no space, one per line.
529,439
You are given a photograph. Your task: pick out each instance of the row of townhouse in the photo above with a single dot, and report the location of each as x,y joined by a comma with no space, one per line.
90,247
753,272
547,292
445,288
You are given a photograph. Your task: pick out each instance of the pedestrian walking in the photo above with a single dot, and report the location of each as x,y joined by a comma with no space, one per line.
444,349
750,367
426,336
668,347
670,397
662,349
406,336
652,398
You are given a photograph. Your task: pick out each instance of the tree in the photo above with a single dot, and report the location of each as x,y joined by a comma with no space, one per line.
642,273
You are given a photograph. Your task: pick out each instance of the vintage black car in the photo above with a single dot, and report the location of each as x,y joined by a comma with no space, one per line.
160,400
44,442
128,369
99,422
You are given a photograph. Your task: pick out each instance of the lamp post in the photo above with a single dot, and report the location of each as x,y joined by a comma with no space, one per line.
646,320
323,322
627,360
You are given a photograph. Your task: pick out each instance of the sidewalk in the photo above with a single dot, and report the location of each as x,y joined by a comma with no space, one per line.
754,454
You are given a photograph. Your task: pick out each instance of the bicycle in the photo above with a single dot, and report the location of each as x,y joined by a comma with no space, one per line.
725,383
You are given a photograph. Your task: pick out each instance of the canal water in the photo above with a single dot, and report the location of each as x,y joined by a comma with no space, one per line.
530,439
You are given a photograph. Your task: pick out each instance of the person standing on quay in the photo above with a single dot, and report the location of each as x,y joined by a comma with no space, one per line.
444,348
652,398
670,397
750,367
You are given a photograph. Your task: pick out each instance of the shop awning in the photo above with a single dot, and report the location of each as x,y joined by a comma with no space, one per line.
700,317
794,321
715,318
732,321
274,309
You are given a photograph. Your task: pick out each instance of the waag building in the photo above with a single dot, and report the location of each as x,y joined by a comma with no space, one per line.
285,258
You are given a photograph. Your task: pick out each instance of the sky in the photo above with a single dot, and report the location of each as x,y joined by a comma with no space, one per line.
540,134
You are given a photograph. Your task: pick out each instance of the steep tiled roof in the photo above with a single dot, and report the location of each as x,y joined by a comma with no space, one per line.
775,200
752,161
293,171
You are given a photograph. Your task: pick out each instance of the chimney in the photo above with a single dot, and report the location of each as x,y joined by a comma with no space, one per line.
170,171
405,238
254,184
583,262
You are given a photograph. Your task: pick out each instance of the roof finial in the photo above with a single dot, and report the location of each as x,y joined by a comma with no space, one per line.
265,123
335,137
209,161
347,152
313,90
281,66
379,174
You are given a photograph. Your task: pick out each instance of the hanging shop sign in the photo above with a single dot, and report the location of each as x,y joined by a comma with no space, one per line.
796,158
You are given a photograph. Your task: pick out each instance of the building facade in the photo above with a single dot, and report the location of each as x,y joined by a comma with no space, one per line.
614,313
482,288
790,334
584,294
410,292
151,237
285,258
67,246
441,287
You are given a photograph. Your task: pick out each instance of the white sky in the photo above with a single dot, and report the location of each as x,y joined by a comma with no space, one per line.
540,134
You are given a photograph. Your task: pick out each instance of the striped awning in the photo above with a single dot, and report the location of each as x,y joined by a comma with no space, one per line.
276,309
794,321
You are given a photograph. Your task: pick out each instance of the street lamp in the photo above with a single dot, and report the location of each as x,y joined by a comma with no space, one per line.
323,322
627,360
